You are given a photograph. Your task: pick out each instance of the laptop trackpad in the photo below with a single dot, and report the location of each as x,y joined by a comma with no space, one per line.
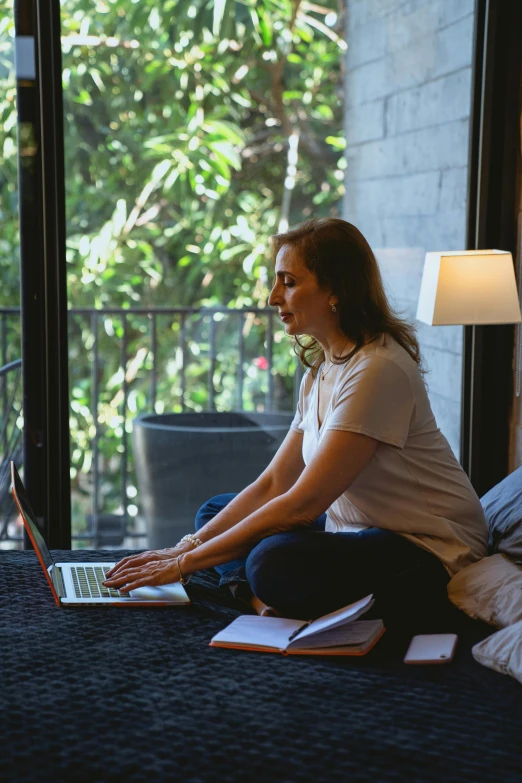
150,593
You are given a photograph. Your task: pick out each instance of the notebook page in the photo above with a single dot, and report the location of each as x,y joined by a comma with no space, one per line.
356,633
247,629
339,617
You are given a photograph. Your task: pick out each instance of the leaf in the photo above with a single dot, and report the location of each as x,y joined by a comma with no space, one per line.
242,100
225,129
97,79
226,152
171,179
256,26
292,95
323,112
160,169
265,24
336,141
219,10
226,255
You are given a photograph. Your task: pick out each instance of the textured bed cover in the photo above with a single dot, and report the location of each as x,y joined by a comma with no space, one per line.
96,695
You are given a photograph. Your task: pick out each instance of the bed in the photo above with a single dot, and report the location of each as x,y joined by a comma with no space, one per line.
138,695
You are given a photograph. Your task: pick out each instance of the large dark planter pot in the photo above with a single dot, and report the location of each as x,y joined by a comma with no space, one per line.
183,459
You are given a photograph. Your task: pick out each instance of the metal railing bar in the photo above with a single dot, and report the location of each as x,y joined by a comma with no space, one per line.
212,363
269,351
4,338
15,453
6,439
183,340
154,347
95,403
241,349
11,366
12,441
124,462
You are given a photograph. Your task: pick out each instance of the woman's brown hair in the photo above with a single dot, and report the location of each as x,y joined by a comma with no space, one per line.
344,263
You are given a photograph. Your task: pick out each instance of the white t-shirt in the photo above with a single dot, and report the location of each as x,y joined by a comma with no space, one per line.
413,485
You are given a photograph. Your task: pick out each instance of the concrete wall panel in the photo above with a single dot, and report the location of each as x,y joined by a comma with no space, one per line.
407,108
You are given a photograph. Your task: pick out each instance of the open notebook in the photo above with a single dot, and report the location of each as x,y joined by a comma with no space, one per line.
338,633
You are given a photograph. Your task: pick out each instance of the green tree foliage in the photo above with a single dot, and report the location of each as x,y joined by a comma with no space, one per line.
178,121
9,239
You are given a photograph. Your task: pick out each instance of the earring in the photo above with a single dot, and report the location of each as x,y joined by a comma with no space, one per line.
334,308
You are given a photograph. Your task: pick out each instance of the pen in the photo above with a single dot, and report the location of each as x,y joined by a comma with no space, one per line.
298,630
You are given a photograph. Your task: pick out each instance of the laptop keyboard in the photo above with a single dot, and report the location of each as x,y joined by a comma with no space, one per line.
88,580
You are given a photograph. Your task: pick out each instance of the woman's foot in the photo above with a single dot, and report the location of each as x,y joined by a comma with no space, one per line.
262,609
242,592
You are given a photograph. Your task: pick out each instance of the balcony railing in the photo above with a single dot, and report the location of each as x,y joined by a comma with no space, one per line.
123,362
11,443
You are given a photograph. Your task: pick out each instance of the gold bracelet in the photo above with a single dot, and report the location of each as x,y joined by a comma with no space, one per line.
182,579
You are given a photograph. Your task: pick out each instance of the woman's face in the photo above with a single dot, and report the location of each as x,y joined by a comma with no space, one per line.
303,306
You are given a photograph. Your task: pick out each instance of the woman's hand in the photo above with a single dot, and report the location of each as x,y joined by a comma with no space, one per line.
153,556
152,572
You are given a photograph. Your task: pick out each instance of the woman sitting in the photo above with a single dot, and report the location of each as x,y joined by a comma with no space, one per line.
364,493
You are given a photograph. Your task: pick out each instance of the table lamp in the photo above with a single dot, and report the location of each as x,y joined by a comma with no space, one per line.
469,287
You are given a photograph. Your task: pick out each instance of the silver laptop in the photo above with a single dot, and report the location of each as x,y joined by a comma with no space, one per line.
80,584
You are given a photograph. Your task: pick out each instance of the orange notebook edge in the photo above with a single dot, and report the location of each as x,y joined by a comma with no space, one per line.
254,648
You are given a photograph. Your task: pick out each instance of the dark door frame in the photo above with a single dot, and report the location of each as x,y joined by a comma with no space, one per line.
42,266
487,389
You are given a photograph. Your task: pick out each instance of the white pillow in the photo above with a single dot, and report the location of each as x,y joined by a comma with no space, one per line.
489,590
502,651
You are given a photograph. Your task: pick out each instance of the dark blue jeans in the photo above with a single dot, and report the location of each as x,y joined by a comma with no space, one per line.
307,572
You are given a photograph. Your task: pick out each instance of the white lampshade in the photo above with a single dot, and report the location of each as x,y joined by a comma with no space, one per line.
469,287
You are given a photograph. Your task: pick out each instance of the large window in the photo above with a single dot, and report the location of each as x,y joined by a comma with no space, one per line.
194,131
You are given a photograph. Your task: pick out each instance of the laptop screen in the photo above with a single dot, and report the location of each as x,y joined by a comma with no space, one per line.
29,518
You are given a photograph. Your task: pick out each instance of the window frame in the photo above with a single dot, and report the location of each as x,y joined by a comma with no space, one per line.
487,388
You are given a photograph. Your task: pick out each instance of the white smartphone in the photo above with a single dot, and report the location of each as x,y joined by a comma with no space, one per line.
431,648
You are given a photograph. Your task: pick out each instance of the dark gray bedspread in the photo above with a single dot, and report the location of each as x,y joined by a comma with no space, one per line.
136,695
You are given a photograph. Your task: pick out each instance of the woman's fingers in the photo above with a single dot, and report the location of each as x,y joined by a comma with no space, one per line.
123,577
132,561
153,555
127,561
159,572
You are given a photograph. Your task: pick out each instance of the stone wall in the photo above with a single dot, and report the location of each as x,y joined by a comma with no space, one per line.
407,110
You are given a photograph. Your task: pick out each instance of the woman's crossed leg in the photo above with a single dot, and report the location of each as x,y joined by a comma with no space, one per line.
307,572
